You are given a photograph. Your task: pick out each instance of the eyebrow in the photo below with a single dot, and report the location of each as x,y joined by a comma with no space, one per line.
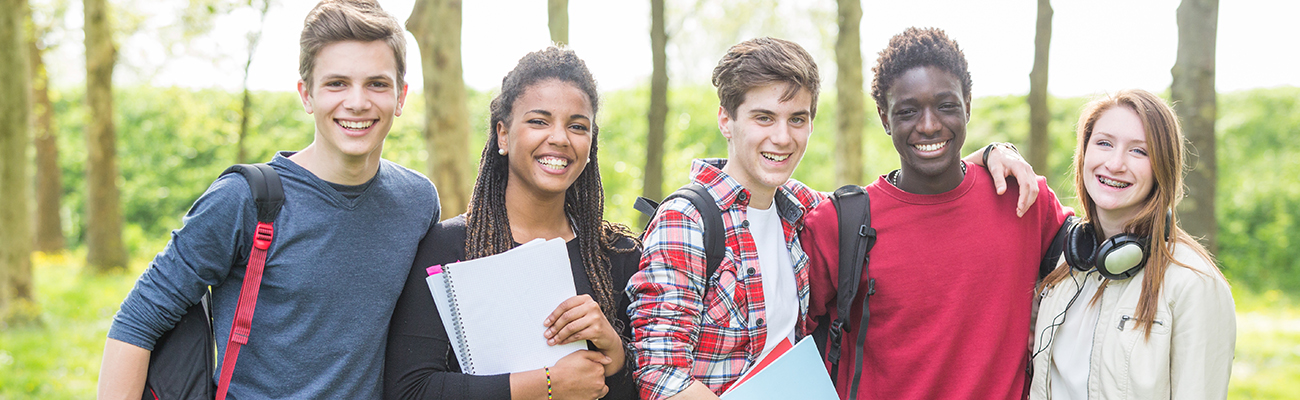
770,112
369,78
1106,135
548,114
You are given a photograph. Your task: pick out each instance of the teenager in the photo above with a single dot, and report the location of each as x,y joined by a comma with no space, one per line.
539,178
343,242
1158,325
691,344
954,265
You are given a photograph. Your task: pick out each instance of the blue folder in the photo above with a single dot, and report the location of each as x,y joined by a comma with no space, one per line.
800,373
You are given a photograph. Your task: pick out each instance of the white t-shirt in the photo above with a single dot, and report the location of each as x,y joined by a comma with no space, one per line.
1072,344
780,292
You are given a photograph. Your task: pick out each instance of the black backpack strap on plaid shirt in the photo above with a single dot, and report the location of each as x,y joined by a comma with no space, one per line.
711,217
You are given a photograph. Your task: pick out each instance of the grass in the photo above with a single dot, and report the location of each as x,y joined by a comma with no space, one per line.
58,358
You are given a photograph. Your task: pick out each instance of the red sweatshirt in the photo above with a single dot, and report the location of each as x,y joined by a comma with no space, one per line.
954,273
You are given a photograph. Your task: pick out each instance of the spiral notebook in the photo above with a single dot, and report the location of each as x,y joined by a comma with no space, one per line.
493,307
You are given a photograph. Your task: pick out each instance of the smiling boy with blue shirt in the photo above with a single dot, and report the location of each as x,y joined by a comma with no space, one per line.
344,238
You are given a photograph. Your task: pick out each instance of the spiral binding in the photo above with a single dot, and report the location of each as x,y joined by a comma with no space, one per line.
467,364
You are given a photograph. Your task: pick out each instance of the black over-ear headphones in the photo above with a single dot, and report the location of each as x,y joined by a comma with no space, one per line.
1118,257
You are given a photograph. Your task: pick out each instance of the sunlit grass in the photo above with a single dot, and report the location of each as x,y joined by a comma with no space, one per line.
1267,365
59,357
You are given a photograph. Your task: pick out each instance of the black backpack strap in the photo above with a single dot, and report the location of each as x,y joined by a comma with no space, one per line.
268,193
268,196
1053,255
856,237
710,216
182,362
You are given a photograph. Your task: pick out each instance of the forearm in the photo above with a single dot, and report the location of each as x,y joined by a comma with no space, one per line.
528,385
697,391
123,371
618,358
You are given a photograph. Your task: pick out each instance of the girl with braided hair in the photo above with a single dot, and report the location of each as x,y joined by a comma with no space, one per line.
538,178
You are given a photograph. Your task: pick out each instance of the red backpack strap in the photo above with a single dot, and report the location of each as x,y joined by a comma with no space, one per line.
268,195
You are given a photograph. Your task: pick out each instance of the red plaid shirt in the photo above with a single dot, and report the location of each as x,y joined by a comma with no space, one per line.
679,337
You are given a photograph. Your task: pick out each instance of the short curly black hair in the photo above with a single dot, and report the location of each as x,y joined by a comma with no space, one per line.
913,48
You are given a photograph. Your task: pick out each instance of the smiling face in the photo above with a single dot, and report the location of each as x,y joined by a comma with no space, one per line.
548,139
1117,167
354,98
766,138
925,113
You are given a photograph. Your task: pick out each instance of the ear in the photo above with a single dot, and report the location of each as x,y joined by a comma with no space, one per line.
501,135
724,122
304,94
884,122
968,109
401,100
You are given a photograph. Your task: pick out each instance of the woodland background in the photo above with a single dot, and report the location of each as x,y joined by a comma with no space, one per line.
94,176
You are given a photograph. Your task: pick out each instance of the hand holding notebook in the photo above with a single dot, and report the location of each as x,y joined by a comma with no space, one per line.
493,307
580,319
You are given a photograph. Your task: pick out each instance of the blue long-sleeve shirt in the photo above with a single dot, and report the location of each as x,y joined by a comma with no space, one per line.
333,273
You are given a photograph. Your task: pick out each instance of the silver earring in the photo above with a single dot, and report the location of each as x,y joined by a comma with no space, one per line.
501,151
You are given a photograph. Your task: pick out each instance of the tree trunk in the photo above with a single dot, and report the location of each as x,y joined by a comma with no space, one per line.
850,108
436,27
49,179
15,220
1193,94
653,183
1039,116
557,18
246,110
103,206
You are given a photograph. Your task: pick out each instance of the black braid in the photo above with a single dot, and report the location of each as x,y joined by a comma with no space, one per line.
488,226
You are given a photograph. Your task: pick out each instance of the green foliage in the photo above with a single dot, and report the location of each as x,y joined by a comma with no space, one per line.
1259,187
173,143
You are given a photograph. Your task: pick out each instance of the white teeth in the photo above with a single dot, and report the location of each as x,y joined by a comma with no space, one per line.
930,147
1113,183
775,157
356,124
553,162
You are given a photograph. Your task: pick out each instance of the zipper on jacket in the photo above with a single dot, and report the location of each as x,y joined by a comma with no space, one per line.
1126,318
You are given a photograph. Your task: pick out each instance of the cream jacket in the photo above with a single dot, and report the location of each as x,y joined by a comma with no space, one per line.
1189,354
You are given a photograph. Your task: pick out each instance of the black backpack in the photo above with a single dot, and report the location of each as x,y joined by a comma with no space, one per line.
714,235
857,237
182,363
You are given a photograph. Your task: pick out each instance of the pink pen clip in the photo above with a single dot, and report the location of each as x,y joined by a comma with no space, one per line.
434,270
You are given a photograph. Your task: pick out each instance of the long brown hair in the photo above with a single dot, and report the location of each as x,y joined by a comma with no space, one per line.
1165,150
488,224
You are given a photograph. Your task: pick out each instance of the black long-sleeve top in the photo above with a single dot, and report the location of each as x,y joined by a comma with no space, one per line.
420,364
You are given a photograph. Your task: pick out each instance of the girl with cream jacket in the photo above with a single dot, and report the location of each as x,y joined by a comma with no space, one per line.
1138,310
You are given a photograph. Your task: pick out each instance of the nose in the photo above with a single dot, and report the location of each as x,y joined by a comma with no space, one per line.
356,100
929,123
1115,161
558,135
784,134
